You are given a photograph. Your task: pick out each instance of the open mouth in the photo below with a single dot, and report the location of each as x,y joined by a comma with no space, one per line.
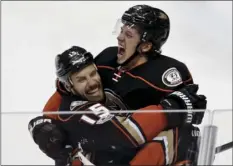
121,51
93,91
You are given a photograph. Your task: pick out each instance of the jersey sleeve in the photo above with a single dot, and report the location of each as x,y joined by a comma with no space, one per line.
54,102
77,162
52,105
151,124
174,76
143,127
160,150
151,154
185,74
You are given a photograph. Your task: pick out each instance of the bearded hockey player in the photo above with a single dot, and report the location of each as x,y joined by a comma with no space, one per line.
124,135
136,70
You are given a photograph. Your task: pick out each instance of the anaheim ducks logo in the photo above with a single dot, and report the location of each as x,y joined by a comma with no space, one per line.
172,77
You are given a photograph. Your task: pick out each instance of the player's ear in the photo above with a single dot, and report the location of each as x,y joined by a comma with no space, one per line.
68,88
145,47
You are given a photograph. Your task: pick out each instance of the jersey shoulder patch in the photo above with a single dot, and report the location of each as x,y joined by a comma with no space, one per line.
172,77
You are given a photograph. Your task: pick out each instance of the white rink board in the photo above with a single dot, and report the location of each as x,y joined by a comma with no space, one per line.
27,152
223,120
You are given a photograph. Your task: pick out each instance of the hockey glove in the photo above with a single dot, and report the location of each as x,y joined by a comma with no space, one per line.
65,158
188,99
47,136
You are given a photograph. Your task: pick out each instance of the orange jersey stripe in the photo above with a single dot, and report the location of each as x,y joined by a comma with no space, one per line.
151,124
53,104
151,154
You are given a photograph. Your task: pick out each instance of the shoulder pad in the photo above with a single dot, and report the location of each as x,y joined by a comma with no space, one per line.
165,73
175,73
107,57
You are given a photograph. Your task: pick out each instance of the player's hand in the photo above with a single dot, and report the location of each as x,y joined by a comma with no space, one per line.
47,136
187,98
65,158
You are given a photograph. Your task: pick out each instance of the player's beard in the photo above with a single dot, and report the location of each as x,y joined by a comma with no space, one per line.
94,92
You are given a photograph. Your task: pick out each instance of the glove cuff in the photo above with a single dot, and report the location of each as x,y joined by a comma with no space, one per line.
181,99
170,104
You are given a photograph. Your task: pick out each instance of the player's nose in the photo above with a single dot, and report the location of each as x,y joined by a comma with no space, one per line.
92,82
120,38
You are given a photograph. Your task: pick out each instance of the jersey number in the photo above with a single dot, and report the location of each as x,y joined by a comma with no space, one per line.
101,112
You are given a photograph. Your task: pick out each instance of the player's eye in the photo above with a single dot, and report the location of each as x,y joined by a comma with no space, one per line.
129,35
80,80
93,73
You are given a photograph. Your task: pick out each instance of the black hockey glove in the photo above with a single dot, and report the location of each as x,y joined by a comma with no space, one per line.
188,99
65,158
47,136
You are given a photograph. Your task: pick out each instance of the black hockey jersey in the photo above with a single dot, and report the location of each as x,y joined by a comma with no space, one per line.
143,85
110,139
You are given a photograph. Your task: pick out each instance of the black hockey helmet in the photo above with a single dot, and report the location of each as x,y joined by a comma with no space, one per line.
153,23
71,60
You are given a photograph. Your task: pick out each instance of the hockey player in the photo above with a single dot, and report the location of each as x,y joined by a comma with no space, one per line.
136,70
77,72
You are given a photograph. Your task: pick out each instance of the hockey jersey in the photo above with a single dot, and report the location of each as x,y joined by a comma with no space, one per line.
109,138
